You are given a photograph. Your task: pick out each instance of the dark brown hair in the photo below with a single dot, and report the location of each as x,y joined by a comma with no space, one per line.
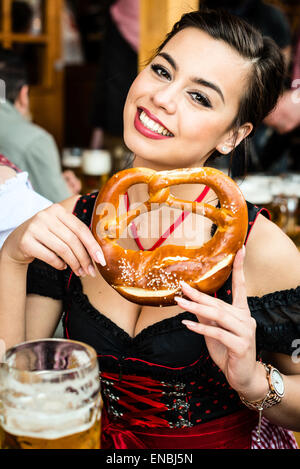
265,83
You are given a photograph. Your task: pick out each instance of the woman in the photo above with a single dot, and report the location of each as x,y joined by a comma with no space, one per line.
175,377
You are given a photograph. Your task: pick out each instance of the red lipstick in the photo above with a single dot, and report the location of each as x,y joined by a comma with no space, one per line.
144,130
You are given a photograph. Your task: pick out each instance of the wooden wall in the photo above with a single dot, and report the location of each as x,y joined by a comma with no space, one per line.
157,18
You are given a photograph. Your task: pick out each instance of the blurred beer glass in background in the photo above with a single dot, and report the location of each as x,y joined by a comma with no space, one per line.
96,169
50,396
72,160
280,195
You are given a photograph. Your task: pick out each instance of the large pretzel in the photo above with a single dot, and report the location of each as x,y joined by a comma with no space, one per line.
152,277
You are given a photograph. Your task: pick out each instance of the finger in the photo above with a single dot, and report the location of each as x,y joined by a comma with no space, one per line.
230,341
84,234
58,247
198,296
45,254
239,292
69,238
211,315
204,299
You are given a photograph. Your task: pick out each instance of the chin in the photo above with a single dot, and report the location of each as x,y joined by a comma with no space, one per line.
146,150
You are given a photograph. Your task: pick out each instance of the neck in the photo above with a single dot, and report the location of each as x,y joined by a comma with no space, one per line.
20,108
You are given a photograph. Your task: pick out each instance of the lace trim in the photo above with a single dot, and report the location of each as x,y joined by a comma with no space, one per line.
274,338
161,327
278,338
277,298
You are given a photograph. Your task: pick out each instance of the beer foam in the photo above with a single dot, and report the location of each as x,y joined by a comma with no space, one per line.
43,425
51,410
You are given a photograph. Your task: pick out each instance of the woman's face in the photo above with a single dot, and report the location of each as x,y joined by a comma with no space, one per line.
180,107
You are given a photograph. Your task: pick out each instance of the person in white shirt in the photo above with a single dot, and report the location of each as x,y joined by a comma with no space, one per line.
18,200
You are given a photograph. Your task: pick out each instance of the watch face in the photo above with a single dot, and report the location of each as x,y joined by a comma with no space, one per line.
277,382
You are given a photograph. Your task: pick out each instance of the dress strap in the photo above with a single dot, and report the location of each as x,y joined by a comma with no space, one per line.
169,231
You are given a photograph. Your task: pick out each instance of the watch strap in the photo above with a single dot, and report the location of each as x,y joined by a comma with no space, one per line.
271,398
268,401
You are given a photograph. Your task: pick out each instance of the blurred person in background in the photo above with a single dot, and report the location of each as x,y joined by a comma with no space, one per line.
266,147
117,70
18,201
25,144
268,19
285,119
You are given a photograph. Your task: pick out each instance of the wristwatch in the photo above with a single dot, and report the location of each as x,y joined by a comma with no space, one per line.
275,393
273,396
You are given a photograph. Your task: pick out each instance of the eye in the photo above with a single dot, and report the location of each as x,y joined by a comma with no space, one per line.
160,71
201,99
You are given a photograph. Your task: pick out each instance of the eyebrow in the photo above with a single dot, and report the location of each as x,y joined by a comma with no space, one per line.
198,81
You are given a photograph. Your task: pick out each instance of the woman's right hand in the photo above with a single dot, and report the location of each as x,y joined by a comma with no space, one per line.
58,238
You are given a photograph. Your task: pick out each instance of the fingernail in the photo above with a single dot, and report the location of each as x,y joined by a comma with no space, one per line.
81,273
189,323
181,300
100,258
185,285
92,271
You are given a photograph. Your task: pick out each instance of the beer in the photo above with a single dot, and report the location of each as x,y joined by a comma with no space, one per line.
50,396
72,160
88,438
96,169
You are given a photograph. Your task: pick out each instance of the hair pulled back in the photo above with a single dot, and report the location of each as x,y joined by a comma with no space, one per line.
266,76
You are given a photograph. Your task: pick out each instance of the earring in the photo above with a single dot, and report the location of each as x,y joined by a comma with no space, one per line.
224,149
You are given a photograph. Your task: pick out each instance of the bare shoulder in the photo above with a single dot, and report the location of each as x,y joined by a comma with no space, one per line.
6,173
70,203
272,260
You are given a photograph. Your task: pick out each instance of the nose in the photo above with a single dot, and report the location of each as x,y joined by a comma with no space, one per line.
165,98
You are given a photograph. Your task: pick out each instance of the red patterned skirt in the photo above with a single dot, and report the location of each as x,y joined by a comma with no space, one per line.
230,432
146,429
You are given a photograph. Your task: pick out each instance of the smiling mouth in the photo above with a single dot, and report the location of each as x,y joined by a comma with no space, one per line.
153,125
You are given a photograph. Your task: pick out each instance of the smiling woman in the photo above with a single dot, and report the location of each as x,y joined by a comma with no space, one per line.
190,375
210,108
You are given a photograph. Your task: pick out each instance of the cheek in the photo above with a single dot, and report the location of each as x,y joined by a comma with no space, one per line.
138,88
199,131
203,129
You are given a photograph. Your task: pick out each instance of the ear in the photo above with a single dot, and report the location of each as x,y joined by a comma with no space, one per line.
22,102
234,138
24,96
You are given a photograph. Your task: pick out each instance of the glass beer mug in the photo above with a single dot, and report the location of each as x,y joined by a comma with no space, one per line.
50,396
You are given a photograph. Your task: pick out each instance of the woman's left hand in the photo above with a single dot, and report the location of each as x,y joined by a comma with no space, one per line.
229,332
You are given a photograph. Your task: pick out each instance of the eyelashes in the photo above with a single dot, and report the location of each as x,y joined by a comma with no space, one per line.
200,98
161,71
196,96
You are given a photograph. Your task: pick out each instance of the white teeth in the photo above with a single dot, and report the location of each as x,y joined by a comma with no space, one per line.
152,125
